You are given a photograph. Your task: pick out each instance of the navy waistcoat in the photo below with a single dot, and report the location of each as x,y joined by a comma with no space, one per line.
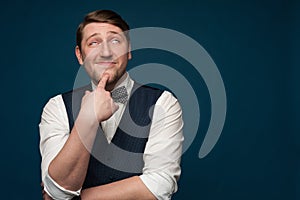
123,157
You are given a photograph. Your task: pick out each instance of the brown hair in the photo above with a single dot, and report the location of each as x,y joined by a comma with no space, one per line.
102,16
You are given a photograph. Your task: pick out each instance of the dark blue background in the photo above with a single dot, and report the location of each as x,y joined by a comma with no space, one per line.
255,45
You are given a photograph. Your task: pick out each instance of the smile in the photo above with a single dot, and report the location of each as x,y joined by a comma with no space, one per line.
106,63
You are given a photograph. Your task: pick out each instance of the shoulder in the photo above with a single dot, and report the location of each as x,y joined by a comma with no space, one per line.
77,90
145,91
75,95
53,102
146,87
168,100
54,110
58,100
57,103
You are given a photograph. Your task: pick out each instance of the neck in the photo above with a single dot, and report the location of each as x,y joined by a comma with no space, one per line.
111,85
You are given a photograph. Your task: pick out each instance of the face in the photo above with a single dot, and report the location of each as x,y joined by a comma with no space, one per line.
104,50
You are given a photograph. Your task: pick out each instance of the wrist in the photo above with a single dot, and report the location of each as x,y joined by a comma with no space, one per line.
88,120
86,129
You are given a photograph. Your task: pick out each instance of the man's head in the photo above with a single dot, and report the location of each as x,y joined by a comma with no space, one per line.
103,45
101,16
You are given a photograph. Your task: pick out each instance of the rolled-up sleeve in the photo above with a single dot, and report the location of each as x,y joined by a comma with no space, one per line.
54,132
163,151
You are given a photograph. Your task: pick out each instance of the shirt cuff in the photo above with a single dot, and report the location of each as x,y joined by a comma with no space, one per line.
55,191
160,184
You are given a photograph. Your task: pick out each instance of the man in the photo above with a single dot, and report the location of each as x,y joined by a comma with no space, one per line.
94,147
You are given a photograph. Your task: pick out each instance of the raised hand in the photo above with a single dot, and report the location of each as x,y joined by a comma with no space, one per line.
98,105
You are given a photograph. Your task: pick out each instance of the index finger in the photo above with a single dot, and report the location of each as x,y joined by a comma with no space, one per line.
103,81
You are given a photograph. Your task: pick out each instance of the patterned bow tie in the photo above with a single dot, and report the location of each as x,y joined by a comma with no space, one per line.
120,95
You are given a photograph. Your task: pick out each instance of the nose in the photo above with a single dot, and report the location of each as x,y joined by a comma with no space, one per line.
105,50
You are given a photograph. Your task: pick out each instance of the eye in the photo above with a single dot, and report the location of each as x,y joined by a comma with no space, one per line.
93,43
115,41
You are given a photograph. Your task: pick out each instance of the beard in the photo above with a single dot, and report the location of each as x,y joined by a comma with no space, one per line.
114,77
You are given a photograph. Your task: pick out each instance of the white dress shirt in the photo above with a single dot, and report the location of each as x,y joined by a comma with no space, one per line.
162,152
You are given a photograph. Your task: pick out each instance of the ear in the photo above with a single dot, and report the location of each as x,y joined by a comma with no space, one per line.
129,56
78,55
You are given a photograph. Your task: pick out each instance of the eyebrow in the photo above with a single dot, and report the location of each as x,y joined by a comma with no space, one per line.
95,34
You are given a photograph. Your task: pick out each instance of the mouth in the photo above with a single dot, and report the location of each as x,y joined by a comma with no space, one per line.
106,63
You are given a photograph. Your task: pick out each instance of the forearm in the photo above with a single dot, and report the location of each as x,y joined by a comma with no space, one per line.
126,189
68,168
